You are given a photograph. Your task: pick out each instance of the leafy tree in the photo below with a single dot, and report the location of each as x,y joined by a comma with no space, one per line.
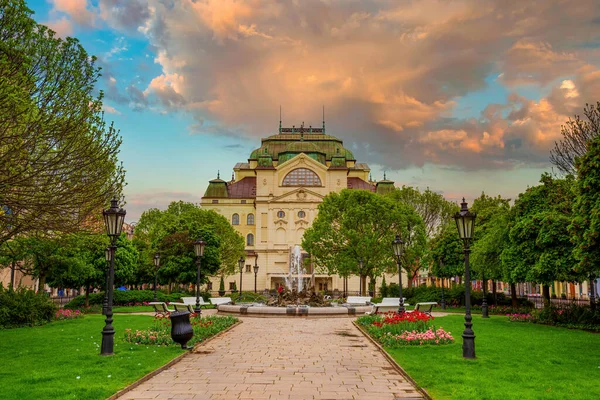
577,135
57,156
539,248
445,252
185,222
433,208
357,224
585,227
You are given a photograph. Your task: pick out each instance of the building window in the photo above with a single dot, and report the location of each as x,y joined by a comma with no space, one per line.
302,177
243,202
301,214
209,286
250,240
248,268
250,219
215,201
235,219
280,214
231,285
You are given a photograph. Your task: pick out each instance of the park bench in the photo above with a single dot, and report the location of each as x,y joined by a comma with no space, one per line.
387,304
189,304
358,301
220,300
425,307
161,308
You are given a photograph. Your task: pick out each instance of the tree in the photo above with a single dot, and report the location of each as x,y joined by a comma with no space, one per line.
186,222
585,226
433,208
577,135
539,248
58,158
445,253
357,224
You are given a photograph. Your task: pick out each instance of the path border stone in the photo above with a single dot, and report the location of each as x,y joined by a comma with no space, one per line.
395,365
168,365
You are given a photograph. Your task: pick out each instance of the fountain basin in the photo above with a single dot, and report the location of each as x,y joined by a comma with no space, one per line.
252,310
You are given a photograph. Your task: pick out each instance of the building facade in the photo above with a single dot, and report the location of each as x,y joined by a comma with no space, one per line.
273,198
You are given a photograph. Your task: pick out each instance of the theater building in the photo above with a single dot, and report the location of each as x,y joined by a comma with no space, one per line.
273,197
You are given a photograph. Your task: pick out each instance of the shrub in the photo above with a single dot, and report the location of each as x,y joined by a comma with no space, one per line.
24,307
249,297
160,332
128,297
570,316
383,290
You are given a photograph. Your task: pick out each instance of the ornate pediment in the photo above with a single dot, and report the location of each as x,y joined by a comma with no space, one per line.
300,195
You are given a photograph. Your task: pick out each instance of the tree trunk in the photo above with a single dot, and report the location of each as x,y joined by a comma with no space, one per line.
12,275
513,294
41,282
546,295
363,285
87,296
494,292
593,294
409,279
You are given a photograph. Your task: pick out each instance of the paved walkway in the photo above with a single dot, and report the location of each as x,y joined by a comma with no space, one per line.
282,358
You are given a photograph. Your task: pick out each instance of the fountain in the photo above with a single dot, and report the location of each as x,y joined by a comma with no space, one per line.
297,269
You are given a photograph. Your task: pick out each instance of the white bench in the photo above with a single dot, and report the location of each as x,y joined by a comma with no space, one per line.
388,304
220,300
189,303
425,307
161,308
358,300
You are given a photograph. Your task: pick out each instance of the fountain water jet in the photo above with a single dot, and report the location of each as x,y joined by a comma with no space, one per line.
295,279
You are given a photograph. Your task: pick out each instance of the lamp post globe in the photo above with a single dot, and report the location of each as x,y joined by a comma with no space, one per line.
199,245
156,267
255,271
465,223
398,246
241,265
114,217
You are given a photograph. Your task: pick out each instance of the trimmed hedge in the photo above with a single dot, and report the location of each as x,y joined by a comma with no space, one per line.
130,297
24,307
453,296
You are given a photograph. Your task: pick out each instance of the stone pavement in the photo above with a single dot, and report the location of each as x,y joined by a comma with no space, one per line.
282,358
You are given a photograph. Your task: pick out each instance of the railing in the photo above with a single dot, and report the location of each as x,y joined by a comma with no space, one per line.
62,300
538,301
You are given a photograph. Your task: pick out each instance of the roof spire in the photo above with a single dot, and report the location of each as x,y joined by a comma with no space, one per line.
384,178
370,177
323,119
232,176
280,119
218,174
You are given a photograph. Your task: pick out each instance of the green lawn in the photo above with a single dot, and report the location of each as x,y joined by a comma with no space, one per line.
514,361
61,360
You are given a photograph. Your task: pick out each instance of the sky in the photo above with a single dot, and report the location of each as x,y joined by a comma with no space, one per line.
461,96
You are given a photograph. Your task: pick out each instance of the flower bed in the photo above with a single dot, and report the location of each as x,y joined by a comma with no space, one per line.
62,315
520,317
160,331
407,329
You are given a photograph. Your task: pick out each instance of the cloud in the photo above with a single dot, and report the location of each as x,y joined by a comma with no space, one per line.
61,26
110,110
138,202
390,73
77,10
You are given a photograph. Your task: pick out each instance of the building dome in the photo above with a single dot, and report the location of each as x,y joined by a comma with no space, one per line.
303,147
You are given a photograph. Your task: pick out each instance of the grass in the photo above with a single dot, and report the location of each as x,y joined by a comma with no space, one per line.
514,361
61,360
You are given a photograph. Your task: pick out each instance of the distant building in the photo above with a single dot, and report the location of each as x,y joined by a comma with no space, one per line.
272,199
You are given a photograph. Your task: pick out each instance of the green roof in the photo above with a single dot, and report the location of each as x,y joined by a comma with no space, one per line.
312,144
216,188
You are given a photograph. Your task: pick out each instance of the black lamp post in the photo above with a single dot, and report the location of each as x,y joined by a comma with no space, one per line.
484,305
105,303
443,300
199,250
113,219
156,266
255,271
465,222
241,265
361,264
398,246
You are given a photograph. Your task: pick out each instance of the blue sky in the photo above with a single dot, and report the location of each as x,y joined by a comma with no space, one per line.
460,107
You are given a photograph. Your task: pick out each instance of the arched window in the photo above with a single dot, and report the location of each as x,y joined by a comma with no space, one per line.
250,219
235,219
280,214
301,214
250,240
302,177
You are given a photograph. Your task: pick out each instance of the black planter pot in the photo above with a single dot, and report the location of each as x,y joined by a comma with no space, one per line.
221,293
181,329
